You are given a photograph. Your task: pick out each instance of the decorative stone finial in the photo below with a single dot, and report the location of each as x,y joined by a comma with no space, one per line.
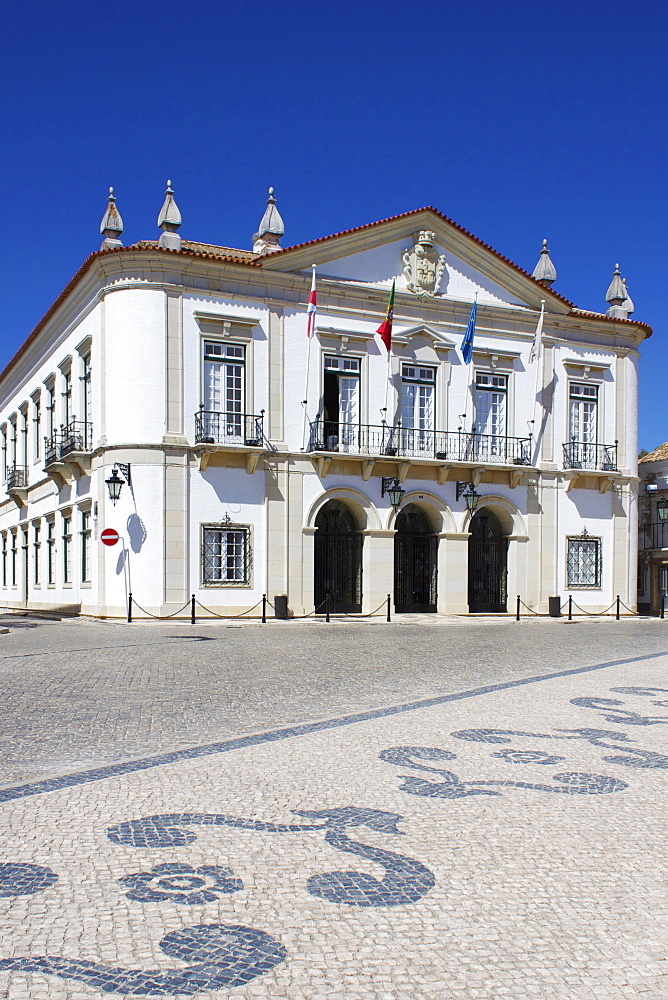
545,271
169,221
271,228
615,295
627,304
111,226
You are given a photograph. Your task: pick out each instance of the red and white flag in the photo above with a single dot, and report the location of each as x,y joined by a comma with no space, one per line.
310,309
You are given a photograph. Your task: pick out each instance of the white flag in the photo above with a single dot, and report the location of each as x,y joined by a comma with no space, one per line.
534,354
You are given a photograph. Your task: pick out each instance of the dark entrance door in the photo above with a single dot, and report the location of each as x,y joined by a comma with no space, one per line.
338,559
488,550
415,554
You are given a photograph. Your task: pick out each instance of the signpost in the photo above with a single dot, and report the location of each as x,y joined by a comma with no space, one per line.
109,536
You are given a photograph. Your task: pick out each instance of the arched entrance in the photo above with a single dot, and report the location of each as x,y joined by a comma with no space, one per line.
415,562
488,558
338,558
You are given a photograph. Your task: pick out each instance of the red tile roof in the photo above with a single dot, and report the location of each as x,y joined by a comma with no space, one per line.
246,258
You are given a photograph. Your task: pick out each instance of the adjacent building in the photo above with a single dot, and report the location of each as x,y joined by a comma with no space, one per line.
653,533
257,460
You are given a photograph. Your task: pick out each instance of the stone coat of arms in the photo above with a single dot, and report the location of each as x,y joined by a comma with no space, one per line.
423,268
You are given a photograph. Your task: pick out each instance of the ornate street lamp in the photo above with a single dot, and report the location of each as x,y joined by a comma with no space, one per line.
467,490
394,490
662,509
114,484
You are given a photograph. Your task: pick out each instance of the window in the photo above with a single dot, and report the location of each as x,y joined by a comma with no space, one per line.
86,391
340,405
23,457
583,399
225,554
13,443
51,408
489,407
224,382
583,563
67,549
85,546
51,553
67,397
417,407
36,546
4,560
37,422
4,454
14,558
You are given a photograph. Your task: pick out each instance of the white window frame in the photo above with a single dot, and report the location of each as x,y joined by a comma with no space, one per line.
229,577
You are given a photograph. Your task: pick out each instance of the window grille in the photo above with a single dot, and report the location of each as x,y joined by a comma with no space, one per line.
584,562
226,554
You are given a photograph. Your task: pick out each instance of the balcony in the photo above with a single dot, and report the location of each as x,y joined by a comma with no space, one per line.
404,445
17,483
654,536
69,450
590,457
230,431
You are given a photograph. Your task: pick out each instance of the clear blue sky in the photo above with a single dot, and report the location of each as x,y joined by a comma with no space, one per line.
518,120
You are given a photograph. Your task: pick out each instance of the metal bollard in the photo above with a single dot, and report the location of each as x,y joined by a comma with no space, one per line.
517,613
570,608
327,607
264,609
192,609
130,607
663,605
617,616
388,608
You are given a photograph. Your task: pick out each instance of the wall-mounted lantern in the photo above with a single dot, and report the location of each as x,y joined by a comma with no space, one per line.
394,490
114,485
467,490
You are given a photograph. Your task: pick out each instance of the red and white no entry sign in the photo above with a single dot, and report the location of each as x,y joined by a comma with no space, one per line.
109,536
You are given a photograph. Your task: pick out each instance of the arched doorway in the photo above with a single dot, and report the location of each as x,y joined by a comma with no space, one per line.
488,558
338,558
415,562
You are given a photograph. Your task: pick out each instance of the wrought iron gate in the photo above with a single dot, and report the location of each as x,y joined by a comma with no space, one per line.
415,563
338,560
488,550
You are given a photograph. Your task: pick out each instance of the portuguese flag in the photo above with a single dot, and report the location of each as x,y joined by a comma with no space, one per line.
385,328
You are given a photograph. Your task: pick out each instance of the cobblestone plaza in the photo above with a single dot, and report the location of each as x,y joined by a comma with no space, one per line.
344,810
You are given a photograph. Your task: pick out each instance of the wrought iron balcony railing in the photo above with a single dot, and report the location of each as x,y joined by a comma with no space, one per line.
654,536
229,428
595,457
17,477
408,442
77,436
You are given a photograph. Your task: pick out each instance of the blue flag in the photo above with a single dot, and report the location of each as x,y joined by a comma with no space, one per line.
467,342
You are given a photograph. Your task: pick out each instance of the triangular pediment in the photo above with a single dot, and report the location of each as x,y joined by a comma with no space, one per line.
413,335
371,256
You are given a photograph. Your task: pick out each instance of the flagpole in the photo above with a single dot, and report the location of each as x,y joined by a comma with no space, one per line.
467,384
539,362
311,334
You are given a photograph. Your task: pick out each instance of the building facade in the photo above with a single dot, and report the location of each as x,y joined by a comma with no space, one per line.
653,531
257,460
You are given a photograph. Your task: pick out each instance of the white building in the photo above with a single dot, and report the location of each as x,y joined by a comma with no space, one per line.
184,365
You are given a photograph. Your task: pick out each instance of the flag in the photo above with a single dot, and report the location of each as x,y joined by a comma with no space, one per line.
310,309
467,342
385,328
538,335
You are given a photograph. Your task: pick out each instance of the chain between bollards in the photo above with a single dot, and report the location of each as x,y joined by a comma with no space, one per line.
264,609
130,607
388,608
